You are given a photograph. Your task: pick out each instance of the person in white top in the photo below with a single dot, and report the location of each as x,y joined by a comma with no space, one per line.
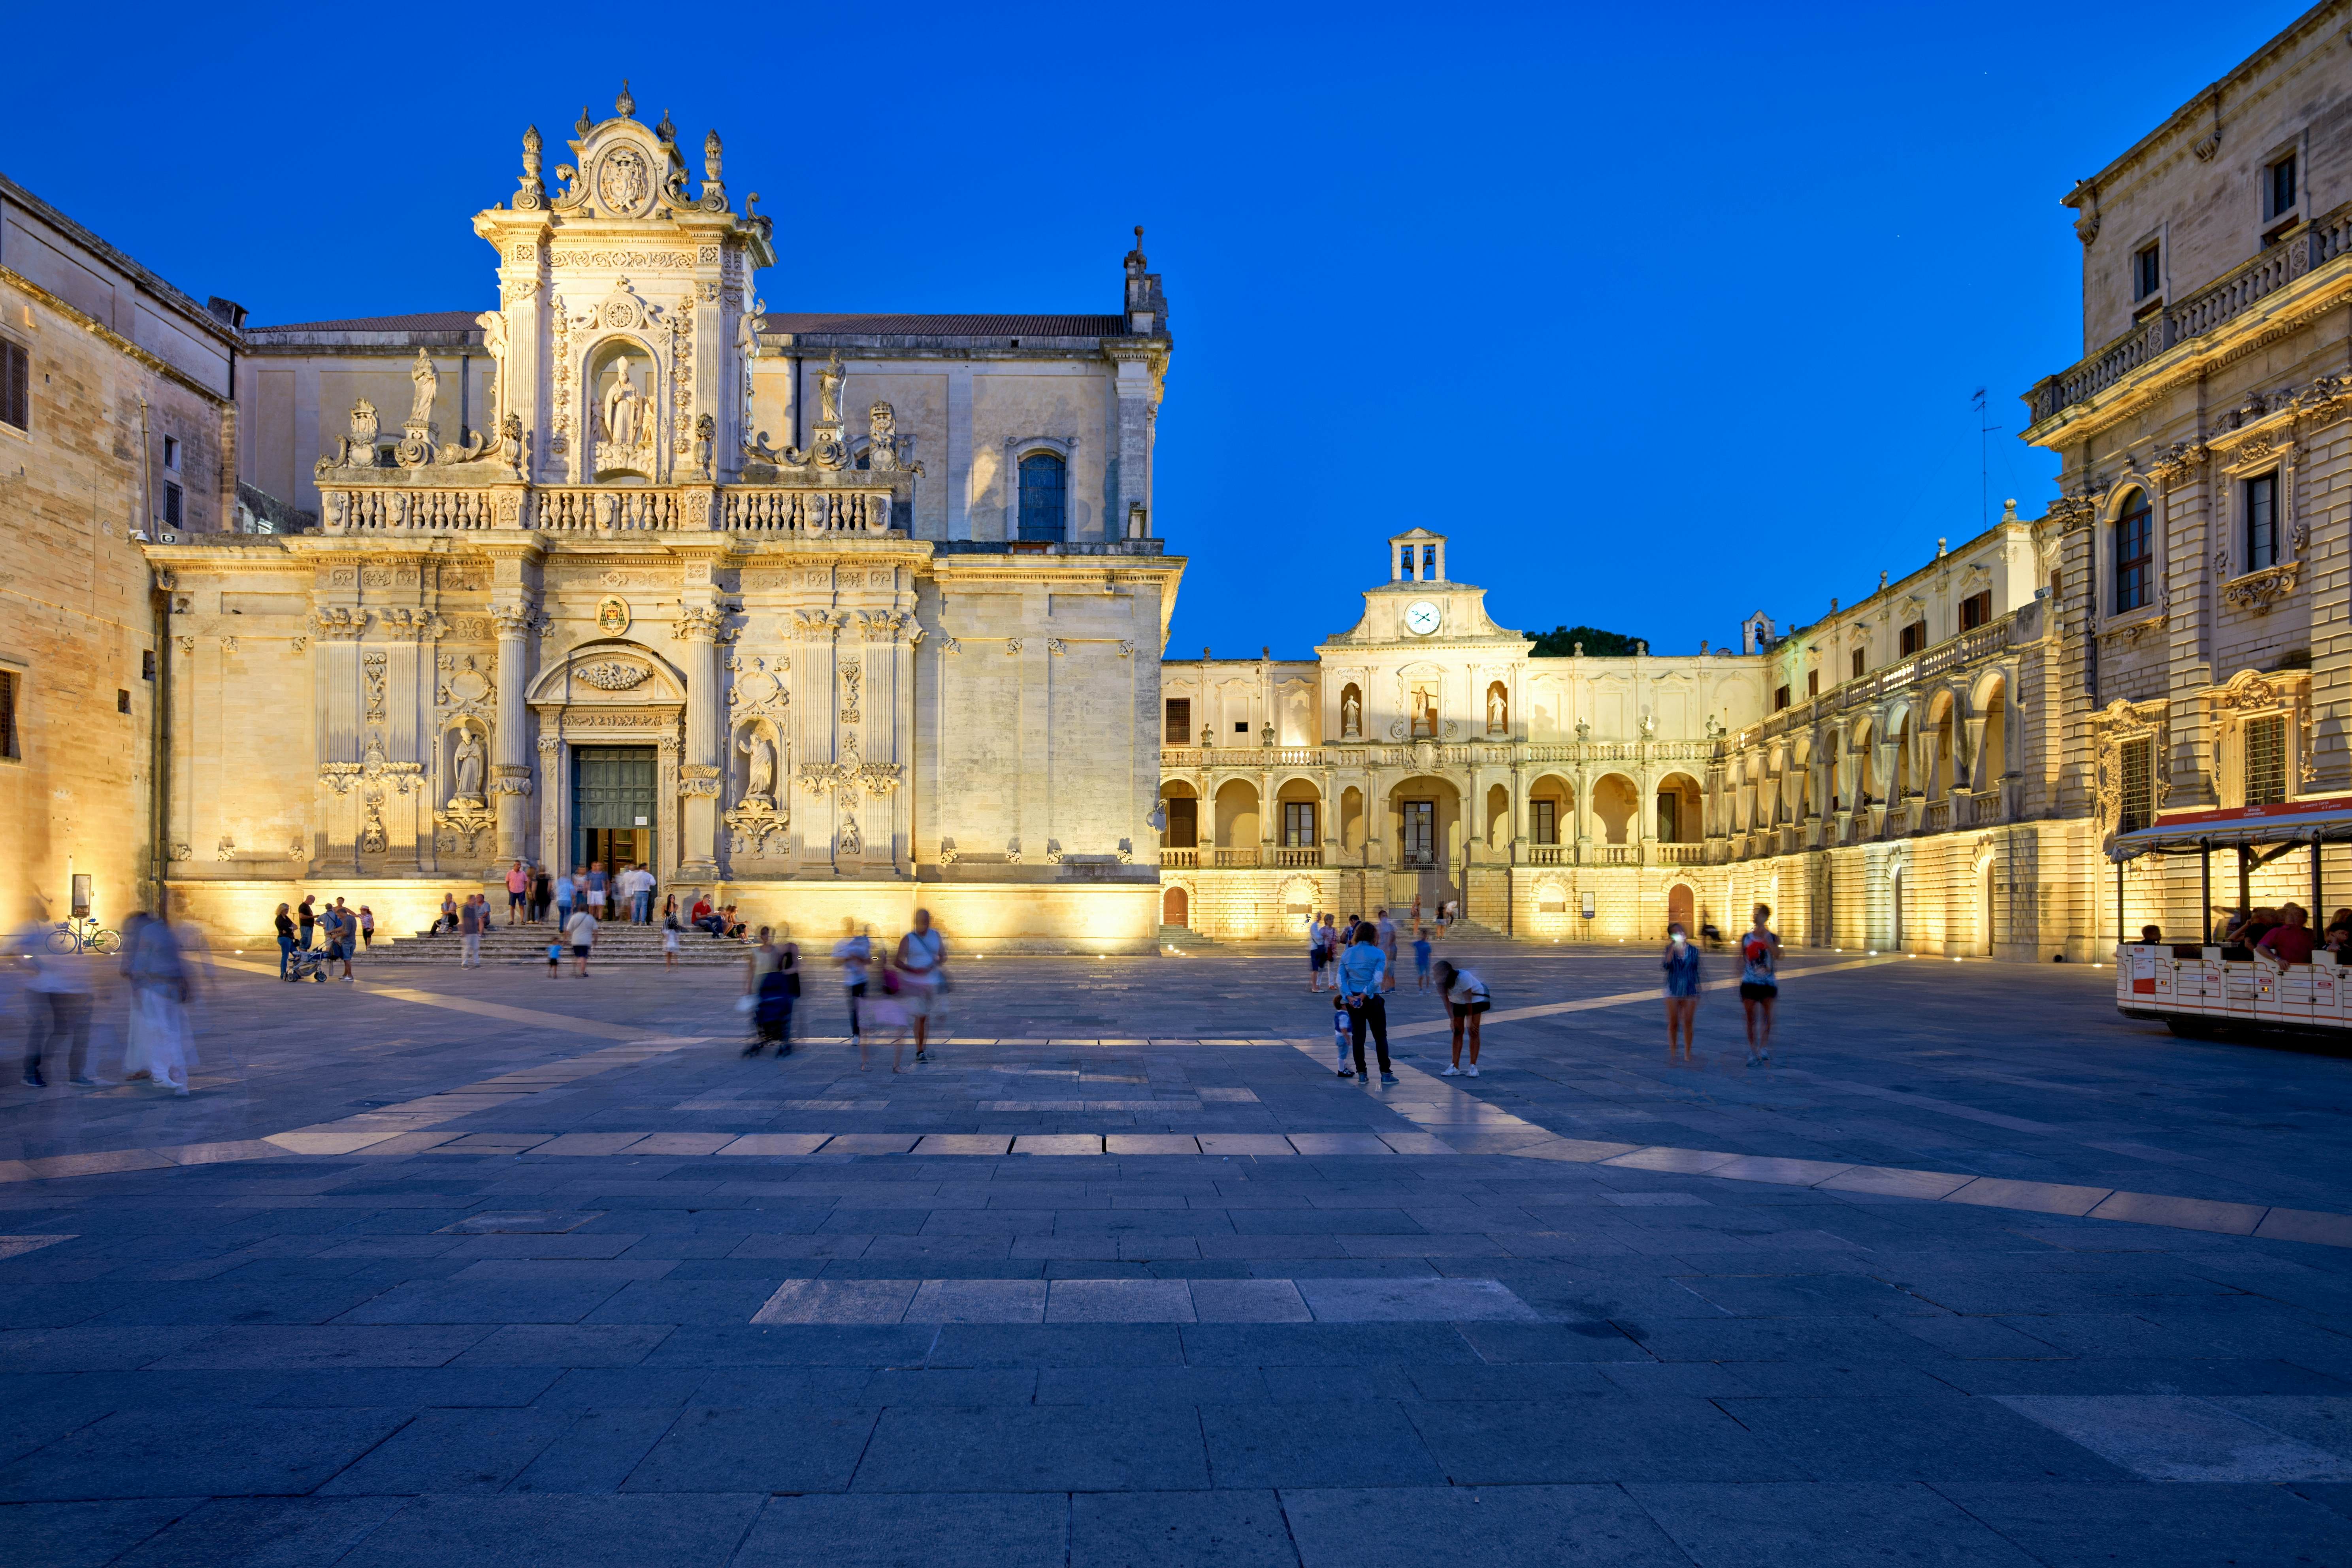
58,1010
921,959
579,930
1466,1000
854,951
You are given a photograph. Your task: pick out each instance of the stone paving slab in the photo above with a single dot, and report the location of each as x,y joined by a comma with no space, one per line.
554,1314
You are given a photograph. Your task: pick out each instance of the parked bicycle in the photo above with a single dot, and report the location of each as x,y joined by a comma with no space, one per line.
84,935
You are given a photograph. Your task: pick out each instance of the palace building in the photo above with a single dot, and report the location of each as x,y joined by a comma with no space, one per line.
835,614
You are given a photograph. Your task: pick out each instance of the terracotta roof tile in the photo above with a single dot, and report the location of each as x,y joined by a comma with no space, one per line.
418,322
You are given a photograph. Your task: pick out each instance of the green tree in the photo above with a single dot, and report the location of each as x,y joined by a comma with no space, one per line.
1561,643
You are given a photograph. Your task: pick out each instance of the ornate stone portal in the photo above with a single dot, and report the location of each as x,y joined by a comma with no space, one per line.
630,578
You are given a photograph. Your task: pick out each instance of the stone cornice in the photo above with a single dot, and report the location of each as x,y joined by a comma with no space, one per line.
113,339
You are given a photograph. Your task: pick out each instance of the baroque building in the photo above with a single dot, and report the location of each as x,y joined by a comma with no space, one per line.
117,424
828,614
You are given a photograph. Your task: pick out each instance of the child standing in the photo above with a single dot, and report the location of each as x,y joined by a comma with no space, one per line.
1421,957
554,959
1342,1036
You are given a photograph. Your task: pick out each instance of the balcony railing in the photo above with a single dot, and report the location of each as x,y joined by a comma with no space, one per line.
1677,854
391,500
2301,252
1237,860
1978,643
1309,856
1500,754
1178,859
1546,855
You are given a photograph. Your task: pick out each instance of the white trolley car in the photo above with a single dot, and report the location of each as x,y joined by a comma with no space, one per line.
2202,989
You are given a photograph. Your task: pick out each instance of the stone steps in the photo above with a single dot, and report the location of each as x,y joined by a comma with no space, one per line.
615,943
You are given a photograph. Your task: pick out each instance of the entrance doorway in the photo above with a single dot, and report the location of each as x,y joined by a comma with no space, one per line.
1418,849
1175,909
613,791
1679,909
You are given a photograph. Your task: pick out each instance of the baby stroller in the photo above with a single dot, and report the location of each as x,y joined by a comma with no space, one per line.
307,963
771,1014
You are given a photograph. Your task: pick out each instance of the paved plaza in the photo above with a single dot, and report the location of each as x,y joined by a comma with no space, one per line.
472,1266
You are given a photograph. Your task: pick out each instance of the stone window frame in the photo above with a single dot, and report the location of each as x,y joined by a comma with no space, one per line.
23,342
2105,569
11,743
2249,695
1009,479
2271,220
2255,459
2159,239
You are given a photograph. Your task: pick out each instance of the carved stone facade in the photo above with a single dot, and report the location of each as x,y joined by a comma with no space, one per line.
426,676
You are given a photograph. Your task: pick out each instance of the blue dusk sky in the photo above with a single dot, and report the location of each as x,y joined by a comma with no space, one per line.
1662,314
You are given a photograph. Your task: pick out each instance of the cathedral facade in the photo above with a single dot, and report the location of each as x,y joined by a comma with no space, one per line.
828,616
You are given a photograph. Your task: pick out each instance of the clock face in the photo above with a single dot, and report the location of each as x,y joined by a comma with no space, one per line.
1420,617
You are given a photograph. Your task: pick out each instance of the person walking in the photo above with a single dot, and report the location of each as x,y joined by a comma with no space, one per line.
921,961
599,889
56,1005
644,895
853,952
1361,969
342,935
1760,984
543,893
517,890
771,1007
1318,954
285,923
580,931
1682,989
1467,1001
469,932
567,892
1388,935
367,928
158,1047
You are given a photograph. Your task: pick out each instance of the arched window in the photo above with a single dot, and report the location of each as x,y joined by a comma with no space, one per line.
2135,552
1045,492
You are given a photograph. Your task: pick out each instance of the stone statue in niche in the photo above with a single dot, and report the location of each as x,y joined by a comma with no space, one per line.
624,422
1495,715
470,761
1351,715
760,773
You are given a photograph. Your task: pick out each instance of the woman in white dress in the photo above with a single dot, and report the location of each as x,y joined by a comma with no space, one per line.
160,1048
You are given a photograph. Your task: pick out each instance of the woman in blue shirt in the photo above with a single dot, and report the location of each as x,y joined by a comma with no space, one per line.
1361,969
1682,988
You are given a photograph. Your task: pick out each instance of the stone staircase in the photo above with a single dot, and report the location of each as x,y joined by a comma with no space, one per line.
1185,938
616,943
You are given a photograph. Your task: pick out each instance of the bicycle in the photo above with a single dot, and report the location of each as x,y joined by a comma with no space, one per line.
84,935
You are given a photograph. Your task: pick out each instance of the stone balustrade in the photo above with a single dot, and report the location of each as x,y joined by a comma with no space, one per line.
2298,253
383,501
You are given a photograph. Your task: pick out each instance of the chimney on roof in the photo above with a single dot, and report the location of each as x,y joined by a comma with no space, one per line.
1147,307
228,312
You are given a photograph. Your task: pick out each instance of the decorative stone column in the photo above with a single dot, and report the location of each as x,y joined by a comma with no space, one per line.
509,779
700,775
555,809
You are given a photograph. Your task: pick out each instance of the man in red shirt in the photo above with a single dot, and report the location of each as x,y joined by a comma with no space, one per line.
2291,943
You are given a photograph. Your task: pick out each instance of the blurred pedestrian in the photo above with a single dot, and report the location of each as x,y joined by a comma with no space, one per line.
1682,988
56,1005
159,1047
1362,967
921,961
1760,984
579,930
469,932
854,952
517,890
367,928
